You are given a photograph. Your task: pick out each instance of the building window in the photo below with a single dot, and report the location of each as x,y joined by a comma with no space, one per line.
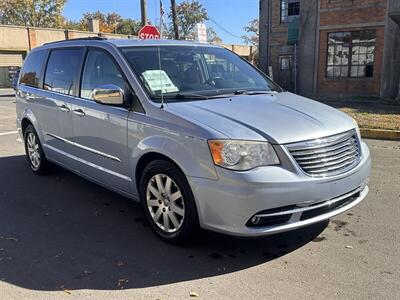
290,10
284,62
351,54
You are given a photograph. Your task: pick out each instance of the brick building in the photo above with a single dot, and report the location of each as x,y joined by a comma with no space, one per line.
344,47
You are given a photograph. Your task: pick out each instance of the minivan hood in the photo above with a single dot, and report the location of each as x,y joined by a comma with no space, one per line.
279,118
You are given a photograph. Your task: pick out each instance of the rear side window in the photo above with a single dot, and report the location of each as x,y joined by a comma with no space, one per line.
62,70
30,74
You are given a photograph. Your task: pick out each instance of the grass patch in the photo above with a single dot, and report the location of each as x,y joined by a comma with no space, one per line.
372,115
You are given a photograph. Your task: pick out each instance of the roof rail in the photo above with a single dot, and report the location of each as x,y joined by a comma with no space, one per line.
95,38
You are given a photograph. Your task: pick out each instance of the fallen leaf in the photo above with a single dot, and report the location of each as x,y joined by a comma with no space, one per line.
194,294
121,282
65,290
8,238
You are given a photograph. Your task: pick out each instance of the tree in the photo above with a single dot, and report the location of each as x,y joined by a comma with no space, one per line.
34,13
212,36
189,13
108,22
129,26
252,30
252,39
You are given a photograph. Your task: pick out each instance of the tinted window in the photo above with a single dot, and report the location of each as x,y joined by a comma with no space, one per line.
62,70
33,65
99,69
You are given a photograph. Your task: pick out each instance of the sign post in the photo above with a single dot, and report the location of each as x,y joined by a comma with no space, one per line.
149,32
293,39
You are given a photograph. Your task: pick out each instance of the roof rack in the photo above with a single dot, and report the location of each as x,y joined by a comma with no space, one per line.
89,38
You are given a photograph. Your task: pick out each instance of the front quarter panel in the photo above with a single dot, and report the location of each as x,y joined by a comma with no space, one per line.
191,154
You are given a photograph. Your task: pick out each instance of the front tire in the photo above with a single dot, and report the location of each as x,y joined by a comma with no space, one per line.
34,152
168,201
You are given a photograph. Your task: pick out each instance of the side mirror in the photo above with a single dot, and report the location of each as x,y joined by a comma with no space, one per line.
110,94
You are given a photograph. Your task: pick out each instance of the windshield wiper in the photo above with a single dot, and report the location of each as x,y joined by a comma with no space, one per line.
191,96
183,96
244,92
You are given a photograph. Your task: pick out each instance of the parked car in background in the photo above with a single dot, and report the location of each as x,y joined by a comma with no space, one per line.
195,133
15,80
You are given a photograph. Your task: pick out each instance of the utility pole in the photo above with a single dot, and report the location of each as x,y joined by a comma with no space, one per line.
143,10
175,20
264,30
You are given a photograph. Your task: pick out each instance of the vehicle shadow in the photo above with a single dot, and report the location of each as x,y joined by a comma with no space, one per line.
63,232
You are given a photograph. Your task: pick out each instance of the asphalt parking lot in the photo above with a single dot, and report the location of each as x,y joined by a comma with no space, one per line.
64,237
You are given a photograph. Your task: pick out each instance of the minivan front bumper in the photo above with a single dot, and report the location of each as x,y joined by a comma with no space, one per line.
228,205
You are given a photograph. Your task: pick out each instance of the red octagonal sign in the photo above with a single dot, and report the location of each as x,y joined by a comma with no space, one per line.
149,32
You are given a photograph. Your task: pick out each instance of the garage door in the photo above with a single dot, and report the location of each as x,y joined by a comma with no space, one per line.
9,59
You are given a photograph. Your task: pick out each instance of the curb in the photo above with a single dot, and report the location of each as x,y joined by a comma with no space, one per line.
380,134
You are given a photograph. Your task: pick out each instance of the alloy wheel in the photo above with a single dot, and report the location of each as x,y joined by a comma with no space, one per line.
33,150
165,203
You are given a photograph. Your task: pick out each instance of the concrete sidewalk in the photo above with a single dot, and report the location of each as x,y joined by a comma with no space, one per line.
7,92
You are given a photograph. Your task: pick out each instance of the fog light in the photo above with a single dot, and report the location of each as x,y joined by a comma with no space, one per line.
255,220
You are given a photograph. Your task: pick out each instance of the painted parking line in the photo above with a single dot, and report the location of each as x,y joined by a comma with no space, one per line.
7,133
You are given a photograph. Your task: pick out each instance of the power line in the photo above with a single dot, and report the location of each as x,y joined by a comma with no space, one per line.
227,31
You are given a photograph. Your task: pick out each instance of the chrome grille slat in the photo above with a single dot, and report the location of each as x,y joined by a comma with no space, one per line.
327,156
324,170
325,160
326,142
324,150
328,164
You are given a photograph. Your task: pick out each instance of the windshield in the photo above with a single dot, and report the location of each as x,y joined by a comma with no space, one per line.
194,72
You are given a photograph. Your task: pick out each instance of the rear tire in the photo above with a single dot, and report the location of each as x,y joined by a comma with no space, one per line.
168,202
34,152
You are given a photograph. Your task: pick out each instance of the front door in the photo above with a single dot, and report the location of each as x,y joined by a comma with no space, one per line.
100,131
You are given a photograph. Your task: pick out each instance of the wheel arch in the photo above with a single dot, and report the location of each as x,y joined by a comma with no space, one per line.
24,123
148,157
27,118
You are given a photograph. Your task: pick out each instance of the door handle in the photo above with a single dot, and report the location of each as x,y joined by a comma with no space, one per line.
64,108
79,112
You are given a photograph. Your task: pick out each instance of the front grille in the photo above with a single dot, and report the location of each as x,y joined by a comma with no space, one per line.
327,156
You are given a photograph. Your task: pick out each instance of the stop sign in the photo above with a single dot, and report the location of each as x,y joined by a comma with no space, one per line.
148,32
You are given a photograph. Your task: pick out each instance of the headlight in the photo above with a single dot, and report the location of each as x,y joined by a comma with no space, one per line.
242,155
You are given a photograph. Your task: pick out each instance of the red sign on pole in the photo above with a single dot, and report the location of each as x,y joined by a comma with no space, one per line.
149,32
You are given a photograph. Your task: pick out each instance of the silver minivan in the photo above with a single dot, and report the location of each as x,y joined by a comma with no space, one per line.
194,132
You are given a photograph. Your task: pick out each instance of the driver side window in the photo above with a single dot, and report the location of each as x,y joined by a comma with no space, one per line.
99,69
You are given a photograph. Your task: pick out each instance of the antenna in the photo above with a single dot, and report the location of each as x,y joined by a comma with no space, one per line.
161,80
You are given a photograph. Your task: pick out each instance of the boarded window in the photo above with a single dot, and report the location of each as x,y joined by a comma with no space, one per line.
350,54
